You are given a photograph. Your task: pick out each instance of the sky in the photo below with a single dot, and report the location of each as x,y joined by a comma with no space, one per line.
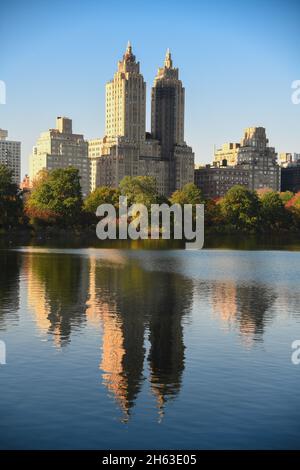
237,60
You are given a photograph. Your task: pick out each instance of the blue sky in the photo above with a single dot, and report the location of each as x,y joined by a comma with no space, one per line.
237,60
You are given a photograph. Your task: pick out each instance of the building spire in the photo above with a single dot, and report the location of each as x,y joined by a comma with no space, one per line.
168,59
129,48
128,56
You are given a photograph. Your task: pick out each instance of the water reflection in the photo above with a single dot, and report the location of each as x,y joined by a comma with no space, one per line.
57,292
130,301
10,263
138,304
246,306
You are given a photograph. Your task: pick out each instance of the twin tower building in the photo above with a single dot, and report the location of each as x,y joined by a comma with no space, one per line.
127,149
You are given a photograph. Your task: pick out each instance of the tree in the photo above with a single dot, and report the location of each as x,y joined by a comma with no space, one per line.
286,196
240,208
189,194
139,190
293,209
56,197
213,216
101,195
273,214
294,201
11,204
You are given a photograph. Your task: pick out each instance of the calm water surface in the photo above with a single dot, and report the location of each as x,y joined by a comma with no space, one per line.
149,349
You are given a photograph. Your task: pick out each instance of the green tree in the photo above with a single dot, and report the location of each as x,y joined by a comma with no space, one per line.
11,205
139,190
189,194
273,213
57,197
101,195
241,209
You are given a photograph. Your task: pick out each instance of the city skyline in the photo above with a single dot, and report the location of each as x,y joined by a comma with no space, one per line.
218,105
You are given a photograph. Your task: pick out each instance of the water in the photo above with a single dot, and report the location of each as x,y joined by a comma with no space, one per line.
112,349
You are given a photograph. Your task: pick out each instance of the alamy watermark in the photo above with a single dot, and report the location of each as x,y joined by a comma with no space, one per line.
162,221
296,94
2,92
296,354
2,353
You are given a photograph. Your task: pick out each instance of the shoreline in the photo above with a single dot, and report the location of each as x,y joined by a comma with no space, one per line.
213,240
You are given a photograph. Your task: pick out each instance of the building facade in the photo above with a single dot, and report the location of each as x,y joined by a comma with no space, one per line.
290,178
250,163
215,181
60,148
126,149
228,152
10,155
260,160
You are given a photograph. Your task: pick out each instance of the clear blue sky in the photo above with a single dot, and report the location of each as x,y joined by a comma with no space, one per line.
237,60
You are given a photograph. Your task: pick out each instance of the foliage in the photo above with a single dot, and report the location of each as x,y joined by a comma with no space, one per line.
241,209
212,214
286,196
101,195
56,197
189,194
11,205
273,214
294,201
139,190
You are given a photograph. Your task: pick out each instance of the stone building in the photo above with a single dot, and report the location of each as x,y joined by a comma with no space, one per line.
215,181
250,163
260,160
126,149
60,148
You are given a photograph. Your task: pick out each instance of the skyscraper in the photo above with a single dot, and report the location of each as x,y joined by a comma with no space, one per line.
126,149
167,109
126,101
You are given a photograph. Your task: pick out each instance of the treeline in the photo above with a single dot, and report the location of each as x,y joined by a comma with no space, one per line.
56,201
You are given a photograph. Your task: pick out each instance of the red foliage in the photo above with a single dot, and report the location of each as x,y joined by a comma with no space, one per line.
294,202
40,215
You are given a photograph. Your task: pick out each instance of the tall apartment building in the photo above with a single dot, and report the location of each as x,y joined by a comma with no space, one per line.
260,159
167,124
251,163
215,181
60,148
10,155
126,149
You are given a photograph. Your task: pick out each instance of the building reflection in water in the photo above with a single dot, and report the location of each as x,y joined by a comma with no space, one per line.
57,292
130,301
10,263
245,306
